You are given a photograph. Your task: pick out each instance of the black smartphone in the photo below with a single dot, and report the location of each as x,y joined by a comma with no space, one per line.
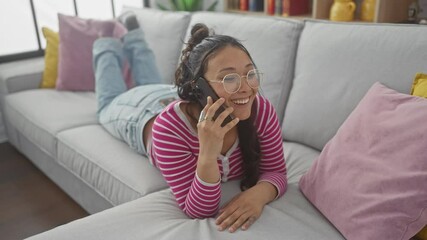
203,90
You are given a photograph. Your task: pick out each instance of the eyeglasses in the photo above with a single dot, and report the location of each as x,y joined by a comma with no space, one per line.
233,81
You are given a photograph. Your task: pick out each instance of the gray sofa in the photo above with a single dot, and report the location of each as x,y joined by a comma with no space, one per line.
316,73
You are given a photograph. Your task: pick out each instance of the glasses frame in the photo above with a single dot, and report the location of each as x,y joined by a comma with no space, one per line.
240,82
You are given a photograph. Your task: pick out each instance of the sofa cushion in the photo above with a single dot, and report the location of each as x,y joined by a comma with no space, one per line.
337,63
157,216
369,179
164,32
272,43
41,114
298,159
107,164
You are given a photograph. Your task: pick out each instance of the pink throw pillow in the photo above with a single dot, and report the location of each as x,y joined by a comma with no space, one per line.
76,37
370,179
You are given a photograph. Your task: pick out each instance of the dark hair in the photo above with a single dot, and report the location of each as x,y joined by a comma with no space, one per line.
201,46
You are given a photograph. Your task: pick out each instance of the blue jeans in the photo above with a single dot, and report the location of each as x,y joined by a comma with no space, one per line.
122,112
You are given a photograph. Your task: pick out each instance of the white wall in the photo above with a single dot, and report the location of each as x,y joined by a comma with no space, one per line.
3,137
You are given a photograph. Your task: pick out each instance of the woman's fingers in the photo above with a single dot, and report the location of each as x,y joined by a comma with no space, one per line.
227,219
236,220
243,221
231,124
248,223
220,119
213,107
241,212
204,111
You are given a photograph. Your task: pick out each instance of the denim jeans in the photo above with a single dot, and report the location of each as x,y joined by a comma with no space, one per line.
122,112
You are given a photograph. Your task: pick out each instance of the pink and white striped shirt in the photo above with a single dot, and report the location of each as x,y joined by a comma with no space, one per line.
175,149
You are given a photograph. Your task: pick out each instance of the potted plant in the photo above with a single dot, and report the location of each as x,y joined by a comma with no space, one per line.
186,5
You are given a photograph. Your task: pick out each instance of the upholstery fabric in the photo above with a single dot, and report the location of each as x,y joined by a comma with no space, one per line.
369,180
50,72
334,69
3,136
75,72
164,33
156,216
21,75
40,114
88,198
118,174
298,159
272,44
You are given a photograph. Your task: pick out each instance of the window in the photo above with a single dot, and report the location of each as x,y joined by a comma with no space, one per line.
21,21
104,9
17,27
47,14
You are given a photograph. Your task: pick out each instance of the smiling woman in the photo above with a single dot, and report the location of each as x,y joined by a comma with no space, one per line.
190,141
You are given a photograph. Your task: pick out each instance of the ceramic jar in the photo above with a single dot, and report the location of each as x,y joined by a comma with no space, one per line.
342,10
368,10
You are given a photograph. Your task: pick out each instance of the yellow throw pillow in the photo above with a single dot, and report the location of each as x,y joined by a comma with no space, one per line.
419,86
50,58
422,235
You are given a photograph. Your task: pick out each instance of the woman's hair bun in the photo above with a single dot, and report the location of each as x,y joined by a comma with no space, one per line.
198,32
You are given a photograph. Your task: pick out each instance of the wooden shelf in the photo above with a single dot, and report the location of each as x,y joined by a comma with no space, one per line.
232,6
392,11
387,11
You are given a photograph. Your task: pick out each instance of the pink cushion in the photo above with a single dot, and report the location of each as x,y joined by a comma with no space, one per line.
76,36
370,179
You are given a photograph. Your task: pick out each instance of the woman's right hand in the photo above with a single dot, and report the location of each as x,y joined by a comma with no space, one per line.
211,134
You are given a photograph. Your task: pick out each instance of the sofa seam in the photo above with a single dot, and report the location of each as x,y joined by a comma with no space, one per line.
66,143
296,27
87,184
64,167
30,138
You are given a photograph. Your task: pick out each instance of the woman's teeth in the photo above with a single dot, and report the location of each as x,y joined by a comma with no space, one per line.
241,101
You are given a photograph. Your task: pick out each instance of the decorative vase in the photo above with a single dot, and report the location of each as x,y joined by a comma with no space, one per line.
368,10
342,10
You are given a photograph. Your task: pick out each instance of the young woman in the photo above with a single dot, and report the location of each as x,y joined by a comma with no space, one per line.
194,151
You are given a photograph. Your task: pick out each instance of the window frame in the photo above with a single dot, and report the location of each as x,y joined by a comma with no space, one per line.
40,52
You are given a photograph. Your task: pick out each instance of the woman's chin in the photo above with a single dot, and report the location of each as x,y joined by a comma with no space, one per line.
242,116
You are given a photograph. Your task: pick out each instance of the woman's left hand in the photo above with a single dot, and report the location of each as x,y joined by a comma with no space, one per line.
245,208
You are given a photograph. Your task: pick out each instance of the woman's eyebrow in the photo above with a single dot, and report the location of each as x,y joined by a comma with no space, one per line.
232,68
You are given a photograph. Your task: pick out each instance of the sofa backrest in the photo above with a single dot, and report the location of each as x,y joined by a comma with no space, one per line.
164,31
272,43
335,66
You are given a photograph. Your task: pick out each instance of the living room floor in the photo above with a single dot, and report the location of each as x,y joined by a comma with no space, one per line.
30,203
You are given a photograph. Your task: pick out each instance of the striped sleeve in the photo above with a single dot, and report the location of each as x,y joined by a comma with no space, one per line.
172,149
272,165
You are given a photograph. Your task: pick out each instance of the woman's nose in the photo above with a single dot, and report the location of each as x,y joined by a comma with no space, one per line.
244,85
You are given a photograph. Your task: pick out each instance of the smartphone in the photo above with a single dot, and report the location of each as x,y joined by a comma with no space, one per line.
203,90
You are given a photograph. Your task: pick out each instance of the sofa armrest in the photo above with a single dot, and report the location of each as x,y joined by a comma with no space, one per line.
21,75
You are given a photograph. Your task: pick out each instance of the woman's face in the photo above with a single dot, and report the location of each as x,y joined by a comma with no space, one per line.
232,60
